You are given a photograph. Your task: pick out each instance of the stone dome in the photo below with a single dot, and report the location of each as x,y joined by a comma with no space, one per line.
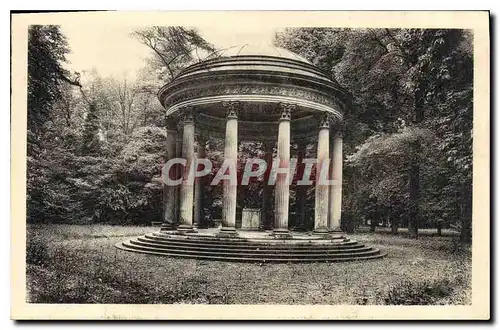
261,79
260,50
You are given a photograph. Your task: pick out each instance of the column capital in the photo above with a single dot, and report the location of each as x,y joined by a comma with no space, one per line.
171,124
338,129
324,120
172,131
286,110
179,128
232,108
187,115
338,134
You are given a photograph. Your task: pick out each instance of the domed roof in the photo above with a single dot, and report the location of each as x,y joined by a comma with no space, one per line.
260,50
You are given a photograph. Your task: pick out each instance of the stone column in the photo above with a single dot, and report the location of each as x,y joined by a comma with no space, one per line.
178,154
301,190
321,204
186,190
336,188
267,193
198,186
282,189
169,191
230,153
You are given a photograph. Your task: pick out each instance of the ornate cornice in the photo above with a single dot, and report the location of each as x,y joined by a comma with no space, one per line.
259,91
205,101
240,68
257,69
185,93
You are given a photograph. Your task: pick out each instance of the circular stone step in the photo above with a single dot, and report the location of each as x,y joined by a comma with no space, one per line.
246,241
144,241
250,247
312,254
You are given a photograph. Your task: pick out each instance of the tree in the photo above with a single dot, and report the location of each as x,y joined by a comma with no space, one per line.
47,49
174,48
47,86
91,142
397,75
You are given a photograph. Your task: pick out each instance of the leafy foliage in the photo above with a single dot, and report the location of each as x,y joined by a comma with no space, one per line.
424,293
101,147
47,49
408,134
407,85
174,47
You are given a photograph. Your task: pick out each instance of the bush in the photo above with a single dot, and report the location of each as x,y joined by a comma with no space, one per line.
36,250
418,293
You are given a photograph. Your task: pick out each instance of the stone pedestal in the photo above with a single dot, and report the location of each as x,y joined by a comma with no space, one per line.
250,219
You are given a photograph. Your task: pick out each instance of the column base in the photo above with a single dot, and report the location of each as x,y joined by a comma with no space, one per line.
298,228
280,233
202,226
184,229
337,233
321,231
167,226
227,232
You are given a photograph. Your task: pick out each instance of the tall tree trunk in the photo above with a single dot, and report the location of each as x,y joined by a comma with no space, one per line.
414,182
466,214
394,226
394,222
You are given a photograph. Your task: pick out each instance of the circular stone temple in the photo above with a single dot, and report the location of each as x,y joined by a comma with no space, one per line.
271,96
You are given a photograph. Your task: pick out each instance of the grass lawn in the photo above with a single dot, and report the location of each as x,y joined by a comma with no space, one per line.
80,264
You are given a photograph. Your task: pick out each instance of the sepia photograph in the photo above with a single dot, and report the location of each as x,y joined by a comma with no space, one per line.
268,165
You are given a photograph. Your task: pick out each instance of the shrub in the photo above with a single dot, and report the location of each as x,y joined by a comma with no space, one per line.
418,293
36,250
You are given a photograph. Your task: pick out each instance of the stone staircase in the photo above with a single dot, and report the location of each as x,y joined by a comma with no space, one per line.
250,250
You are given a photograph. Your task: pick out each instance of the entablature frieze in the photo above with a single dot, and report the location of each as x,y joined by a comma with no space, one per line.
252,88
